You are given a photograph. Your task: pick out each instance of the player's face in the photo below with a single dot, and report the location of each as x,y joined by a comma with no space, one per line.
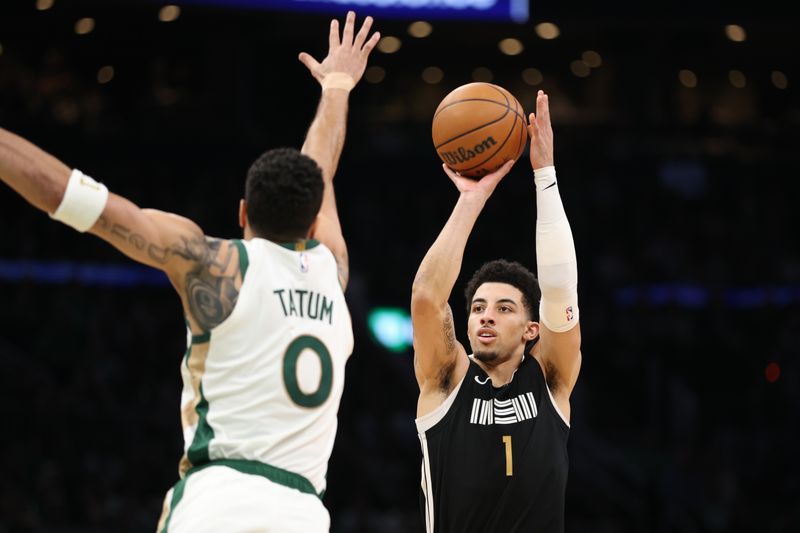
498,324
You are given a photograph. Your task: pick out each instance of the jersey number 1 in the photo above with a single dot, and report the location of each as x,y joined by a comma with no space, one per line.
509,455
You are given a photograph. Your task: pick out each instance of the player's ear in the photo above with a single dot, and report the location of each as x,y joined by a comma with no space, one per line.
531,330
242,214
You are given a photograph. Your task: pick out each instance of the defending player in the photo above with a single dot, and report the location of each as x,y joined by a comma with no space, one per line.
270,332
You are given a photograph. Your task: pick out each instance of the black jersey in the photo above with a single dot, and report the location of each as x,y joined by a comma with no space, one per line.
494,460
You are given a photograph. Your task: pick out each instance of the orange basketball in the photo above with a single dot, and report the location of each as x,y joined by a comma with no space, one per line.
478,127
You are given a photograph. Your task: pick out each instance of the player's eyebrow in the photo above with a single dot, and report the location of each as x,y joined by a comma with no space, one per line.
501,300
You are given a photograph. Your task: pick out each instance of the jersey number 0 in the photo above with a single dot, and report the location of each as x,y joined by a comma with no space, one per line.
295,348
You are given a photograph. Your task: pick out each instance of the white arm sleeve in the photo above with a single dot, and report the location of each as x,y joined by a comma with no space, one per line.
555,256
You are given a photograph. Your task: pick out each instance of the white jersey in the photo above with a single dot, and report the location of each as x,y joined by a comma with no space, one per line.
265,385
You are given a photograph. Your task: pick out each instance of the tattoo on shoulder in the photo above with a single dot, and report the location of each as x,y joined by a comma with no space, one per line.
211,290
210,285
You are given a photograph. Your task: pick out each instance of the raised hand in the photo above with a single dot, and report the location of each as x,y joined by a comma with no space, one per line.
347,55
483,187
541,132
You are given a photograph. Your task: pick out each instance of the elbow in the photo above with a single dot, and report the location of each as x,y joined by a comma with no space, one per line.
51,193
423,299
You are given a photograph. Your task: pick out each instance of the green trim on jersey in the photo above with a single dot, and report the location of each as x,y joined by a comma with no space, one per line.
202,338
272,473
177,495
244,259
198,450
300,246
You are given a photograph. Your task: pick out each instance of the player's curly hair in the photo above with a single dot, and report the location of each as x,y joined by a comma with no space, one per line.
283,193
513,273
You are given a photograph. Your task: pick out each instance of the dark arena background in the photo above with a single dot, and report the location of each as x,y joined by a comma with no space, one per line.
676,131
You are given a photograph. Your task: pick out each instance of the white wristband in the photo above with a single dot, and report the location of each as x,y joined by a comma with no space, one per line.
338,80
83,202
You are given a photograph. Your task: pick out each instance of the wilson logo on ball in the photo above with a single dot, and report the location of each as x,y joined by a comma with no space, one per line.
477,127
462,154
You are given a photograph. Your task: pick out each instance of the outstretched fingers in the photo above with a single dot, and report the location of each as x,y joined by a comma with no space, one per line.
349,28
310,63
361,36
543,107
333,35
533,129
371,43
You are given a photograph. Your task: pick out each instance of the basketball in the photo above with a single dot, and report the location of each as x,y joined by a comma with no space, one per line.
477,128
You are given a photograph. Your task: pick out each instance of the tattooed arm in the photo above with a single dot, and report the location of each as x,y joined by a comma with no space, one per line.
440,361
204,271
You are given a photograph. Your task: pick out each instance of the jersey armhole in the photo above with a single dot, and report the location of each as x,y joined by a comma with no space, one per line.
244,259
555,406
426,422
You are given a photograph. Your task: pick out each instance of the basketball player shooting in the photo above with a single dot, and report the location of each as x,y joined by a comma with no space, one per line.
258,427
493,425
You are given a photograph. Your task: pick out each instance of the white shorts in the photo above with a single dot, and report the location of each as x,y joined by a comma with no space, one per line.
221,499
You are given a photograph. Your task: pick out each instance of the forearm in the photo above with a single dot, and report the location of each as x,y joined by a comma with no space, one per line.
325,138
440,268
34,174
555,256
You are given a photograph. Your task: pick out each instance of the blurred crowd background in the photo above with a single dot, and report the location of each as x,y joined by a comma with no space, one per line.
676,131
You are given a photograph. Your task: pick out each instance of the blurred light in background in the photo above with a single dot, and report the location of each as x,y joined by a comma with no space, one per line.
482,10
482,74
389,44
737,79
391,328
547,30
592,58
43,5
432,75
532,76
84,26
735,33
579,68
687,78
67,272
420,29
511,46
772,372
375,74
169,13
105,74
779,79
